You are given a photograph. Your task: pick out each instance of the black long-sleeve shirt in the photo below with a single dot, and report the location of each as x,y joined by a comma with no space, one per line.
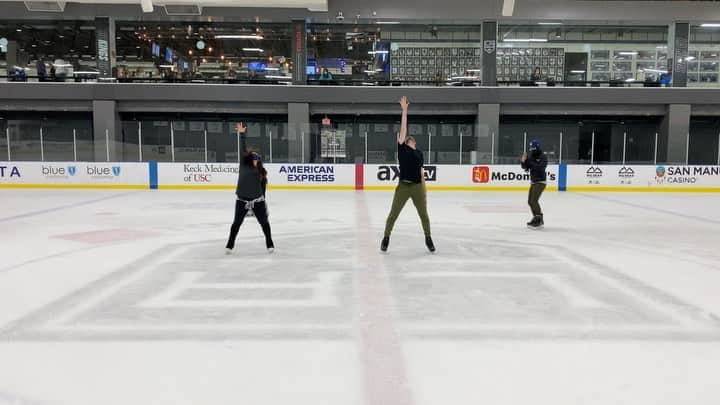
536,163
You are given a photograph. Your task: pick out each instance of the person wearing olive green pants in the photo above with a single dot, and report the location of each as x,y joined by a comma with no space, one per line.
411,185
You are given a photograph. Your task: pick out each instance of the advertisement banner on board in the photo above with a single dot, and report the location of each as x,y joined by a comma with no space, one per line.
74,173
226,174
627,177
460,176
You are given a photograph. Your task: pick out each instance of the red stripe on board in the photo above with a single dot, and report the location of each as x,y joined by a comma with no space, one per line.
359,176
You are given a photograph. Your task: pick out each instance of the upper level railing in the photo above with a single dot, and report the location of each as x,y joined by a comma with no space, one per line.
367,82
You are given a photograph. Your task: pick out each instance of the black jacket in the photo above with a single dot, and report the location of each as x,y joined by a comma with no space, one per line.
250,184
536,163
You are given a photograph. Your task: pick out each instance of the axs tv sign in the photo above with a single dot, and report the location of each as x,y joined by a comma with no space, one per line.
392,172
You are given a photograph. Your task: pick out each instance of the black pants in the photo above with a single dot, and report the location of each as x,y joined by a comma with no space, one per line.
260,210
536,190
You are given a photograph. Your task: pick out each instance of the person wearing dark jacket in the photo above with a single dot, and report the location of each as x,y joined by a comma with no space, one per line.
536,163
250,193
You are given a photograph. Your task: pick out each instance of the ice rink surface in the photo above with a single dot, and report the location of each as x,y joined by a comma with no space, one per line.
126,297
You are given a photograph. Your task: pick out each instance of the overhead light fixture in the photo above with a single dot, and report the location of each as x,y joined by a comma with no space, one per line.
689,58
253,50
661,47
524,40
550,23
710,25
18,29
388,22
577,71
167,66
627,53
377,52
238,37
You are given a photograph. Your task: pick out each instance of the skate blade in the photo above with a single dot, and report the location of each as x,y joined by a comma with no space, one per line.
536,228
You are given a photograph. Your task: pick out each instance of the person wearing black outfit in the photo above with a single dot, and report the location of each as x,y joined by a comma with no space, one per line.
536,163
411,185
250,192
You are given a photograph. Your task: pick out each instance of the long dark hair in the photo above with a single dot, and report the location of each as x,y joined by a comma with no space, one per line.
247,160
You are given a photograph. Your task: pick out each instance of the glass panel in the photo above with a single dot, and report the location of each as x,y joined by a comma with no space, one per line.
709,77
710,55
130,141
189,141
510,144
646,55
85,140
279,142
58,140
703,148
469,143
24,139
623,55
222,141
600,66
382,142
3,139
156,141
622,66
709,67
600,54
214,51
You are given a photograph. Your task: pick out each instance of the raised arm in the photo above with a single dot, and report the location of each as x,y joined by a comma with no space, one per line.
403,121
241,133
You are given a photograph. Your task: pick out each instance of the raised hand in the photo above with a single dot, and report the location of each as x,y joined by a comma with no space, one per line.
523,157
404,103
241,128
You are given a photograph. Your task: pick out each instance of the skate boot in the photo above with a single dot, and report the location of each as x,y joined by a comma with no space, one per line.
270,246
429,243
536,223
384,244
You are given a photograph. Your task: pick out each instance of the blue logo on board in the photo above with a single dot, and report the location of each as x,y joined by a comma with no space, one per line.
72,170
116,170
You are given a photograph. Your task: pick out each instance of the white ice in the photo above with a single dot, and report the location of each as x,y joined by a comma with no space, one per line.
126,297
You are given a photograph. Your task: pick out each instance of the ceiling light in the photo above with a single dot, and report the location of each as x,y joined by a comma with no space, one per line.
550,23
627,53
524,40
238,37
711,25
253,50
388,22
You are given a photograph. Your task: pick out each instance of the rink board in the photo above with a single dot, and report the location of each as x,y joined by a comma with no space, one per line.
114,175
460,177
223,176
660,178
